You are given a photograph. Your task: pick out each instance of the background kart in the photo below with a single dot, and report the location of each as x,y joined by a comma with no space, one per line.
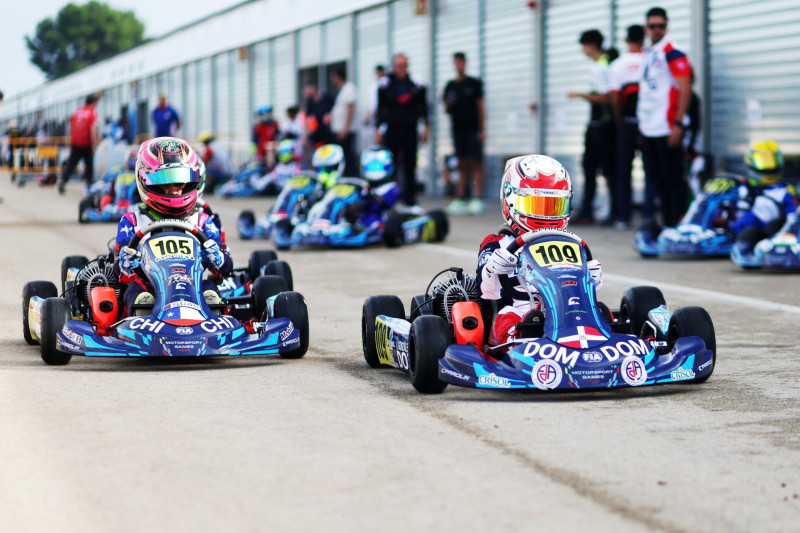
180,323
754,249
704,229
290,208
109,198
340,219
574,343
242,183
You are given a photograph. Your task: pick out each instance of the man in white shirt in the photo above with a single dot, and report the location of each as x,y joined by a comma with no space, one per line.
342,123
664,95
624,76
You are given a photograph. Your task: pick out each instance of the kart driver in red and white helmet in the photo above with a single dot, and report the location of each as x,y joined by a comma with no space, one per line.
535,193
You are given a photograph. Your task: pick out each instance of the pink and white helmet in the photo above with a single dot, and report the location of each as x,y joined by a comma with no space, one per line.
168,161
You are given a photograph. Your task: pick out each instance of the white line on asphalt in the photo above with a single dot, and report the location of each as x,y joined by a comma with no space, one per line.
703,293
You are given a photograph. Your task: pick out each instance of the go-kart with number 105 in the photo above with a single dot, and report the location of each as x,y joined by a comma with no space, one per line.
271,320
574,342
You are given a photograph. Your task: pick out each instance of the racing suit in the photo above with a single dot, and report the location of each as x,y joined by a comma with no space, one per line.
375,201
759,207
273,181
513,301
140,217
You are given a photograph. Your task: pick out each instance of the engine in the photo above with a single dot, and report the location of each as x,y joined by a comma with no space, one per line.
451,290
97,273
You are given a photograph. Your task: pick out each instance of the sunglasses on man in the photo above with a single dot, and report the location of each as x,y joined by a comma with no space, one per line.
657,26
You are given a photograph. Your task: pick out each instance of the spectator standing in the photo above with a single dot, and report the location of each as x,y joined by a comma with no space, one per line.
265,133
219,165
318,106
166,119
402,104
599,144
83,141
342,123
664,95
370,118
624,76
463,100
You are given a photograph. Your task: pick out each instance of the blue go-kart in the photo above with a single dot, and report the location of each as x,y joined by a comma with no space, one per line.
704,229
765,248
239,184
291,208
574,342
270,320
344,218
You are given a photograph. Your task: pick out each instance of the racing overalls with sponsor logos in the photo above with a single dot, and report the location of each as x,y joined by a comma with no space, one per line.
513,300
757,207
140,217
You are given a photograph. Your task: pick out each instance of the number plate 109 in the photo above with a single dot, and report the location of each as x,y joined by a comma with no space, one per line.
557,253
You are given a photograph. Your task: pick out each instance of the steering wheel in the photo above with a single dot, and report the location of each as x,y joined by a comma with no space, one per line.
529,237
163,225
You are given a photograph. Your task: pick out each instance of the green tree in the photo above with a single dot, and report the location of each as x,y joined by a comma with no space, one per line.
82,35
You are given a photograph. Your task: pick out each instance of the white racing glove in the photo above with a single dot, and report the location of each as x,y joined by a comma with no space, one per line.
129,260
596,271
212,254
501,262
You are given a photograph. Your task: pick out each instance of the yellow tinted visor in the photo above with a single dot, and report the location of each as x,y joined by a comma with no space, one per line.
542,203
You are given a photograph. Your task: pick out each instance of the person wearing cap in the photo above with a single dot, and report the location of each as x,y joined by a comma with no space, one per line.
165,118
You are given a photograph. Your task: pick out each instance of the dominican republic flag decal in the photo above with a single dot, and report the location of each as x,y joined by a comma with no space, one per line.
583,338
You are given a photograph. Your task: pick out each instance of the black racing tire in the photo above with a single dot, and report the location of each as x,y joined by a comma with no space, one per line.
427,342
393,230
694,321
606,312
247,218
384,304
85,204
442,224
282,269
259,259
55,313
292,305
71,261
636,303
420,305
751,236
42,289
264,288
285,226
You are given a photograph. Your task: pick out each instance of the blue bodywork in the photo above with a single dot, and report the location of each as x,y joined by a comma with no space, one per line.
578,350
703,229
780,251
181,323
239,185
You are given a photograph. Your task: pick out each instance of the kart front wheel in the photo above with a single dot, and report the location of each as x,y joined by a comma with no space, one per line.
55,313
694,321
85,204
247,219
636,303
282,269
258,260
264,288
42,289
71,261
442,224
393,230
292,305
386,305
427,343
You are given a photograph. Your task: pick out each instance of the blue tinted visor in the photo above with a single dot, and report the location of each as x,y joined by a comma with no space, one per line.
169,176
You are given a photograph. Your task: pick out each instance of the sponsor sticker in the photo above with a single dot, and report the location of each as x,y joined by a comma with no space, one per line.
682,374
704,365
633,371
492,380
286,332
184,331
546,374
592,357
456,375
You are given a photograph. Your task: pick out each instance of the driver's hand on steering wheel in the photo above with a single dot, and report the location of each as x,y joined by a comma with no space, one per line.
501,262
129,260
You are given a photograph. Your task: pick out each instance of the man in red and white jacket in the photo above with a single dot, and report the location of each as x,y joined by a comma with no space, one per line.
664,94
83,141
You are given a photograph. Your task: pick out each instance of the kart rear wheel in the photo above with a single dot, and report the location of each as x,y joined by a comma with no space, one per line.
442,224
42,289
71,261
282,269
606,312
248,219
85,204
385,304
292,305
55,313
636,303
427,343
693,321
393,230
283,226
420,305
264,288
258,259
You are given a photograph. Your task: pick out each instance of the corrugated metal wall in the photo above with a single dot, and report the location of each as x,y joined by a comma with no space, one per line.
284,83
755,82
240,83
310,46
338,45
371,49
222,96
261,74
190,99
205,102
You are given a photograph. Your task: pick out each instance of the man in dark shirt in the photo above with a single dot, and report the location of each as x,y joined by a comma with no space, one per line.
402,103
165,118
463,100
318,107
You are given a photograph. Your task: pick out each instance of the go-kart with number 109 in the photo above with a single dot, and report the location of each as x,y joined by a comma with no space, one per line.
573,342
88,321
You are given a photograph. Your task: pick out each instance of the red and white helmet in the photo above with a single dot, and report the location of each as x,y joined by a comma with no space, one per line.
167,161
535,193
